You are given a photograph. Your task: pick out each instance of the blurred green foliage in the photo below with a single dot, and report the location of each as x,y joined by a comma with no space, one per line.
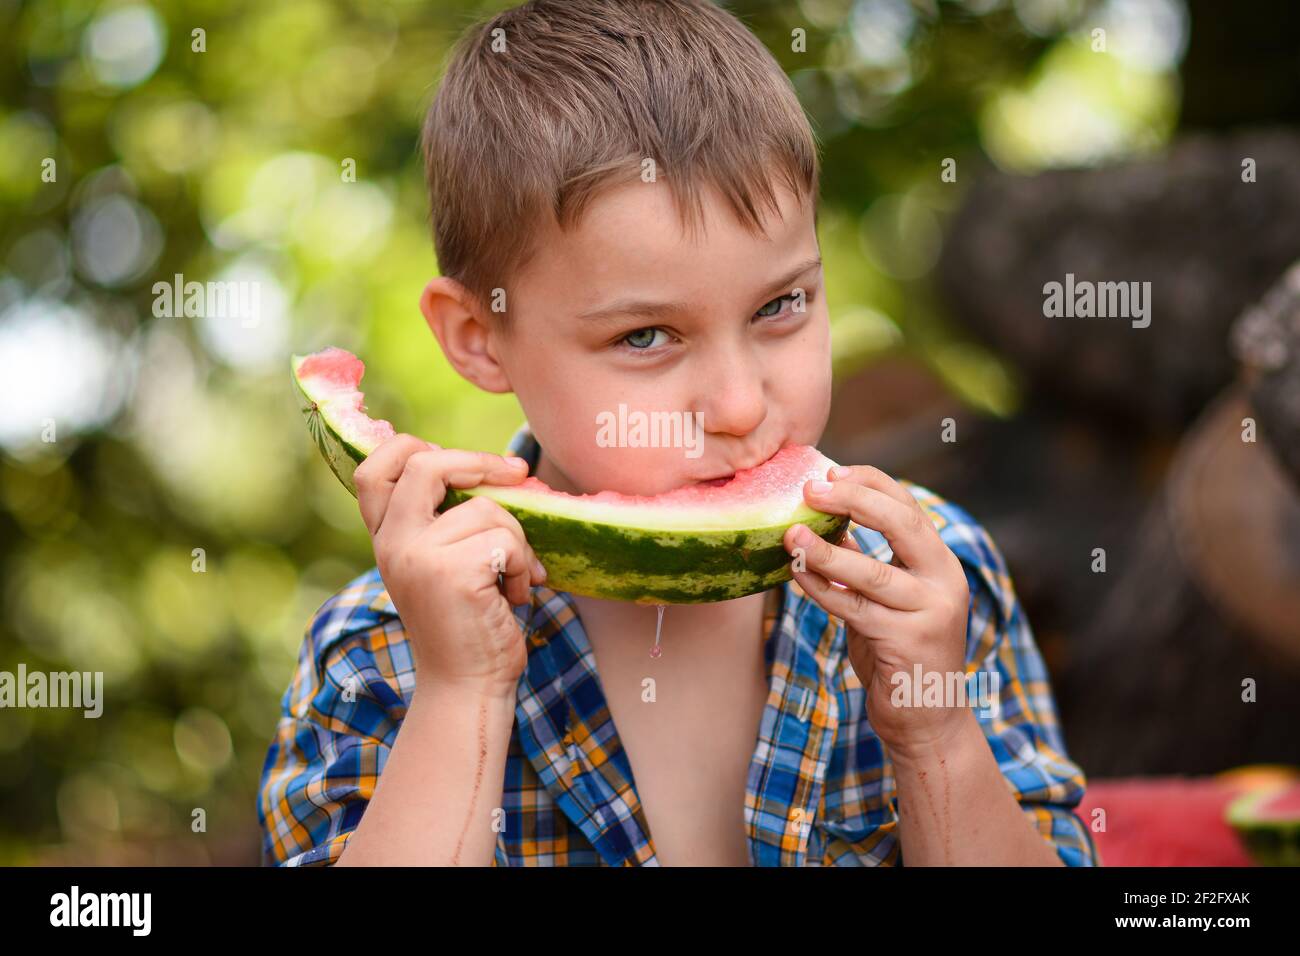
172,435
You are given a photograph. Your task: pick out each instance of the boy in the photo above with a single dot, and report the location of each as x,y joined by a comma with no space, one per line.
439,718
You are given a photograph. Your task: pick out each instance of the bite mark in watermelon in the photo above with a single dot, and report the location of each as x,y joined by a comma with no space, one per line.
695,544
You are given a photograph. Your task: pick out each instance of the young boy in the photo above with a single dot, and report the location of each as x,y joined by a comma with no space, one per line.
624,205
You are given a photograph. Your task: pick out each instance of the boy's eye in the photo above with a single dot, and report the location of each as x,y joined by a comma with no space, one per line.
773,307
641,338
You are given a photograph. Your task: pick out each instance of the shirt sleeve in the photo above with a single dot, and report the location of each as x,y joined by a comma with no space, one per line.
1013,696
338,720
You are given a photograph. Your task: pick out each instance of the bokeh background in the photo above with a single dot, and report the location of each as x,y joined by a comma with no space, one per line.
176,434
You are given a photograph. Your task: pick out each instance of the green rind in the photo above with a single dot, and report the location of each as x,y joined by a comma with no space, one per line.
610,561
656,567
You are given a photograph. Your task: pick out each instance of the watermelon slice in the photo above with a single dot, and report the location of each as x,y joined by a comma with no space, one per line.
691,545
1268,822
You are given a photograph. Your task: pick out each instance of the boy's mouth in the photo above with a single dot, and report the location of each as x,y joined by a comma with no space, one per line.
718,480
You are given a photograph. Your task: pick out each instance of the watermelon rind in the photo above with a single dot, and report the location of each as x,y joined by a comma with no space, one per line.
648,556
651,566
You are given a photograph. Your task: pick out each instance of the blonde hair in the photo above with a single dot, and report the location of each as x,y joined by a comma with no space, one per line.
544,105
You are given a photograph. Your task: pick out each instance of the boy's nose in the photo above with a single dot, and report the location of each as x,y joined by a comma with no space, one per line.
733,398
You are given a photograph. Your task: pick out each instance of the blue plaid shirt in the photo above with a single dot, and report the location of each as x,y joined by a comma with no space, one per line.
820,788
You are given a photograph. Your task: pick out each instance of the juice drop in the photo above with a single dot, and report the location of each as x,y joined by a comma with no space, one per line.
656,651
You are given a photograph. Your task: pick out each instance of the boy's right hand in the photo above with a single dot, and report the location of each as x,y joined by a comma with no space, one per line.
441,569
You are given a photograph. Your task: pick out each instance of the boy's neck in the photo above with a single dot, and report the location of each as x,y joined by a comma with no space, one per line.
694,632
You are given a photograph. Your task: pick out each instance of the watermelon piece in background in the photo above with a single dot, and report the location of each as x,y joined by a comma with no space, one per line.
1164,821
1269,824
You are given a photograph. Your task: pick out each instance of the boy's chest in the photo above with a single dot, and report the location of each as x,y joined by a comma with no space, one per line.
690,737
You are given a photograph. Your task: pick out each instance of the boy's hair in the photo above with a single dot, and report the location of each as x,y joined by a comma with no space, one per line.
546,104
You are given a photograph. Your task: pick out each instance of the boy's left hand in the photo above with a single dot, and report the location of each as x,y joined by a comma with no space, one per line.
913,610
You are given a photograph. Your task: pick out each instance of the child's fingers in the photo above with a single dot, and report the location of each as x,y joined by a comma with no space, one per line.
479,514
377,476
874,579
851,542
909,532
470,517
465,469
496,551
505,471
871,477
869,618
429,473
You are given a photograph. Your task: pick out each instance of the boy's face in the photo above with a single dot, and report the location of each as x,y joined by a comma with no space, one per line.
625,309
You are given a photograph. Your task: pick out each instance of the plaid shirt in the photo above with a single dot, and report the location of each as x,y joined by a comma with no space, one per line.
820,789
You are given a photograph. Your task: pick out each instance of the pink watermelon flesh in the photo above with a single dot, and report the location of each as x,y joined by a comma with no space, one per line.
772,480
334,375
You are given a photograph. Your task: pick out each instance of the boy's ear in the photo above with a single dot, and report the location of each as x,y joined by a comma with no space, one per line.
464,333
